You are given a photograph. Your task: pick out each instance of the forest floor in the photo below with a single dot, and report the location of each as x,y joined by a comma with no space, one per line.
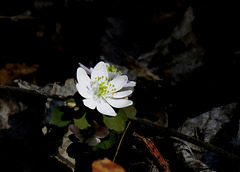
184,57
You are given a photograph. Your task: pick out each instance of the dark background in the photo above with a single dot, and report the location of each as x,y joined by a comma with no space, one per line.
57,35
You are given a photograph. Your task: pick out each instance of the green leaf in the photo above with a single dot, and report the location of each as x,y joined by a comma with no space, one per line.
82,122
130,112
106,144
56,118
116,123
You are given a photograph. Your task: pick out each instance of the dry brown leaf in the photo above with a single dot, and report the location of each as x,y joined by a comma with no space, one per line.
106,165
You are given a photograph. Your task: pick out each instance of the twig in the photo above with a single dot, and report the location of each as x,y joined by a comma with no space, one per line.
120,142
172,132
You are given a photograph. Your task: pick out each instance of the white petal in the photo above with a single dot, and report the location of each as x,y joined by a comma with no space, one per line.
99,70
84,90
85,68
105,108
112,75
127,88
91,69
93,141
119,103
130,84
122,94
119,82
82,77
90,103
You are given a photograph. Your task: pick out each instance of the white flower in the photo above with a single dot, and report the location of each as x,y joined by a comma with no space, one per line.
101,92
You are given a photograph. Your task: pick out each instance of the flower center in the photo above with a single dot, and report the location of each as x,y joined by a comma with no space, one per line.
101,87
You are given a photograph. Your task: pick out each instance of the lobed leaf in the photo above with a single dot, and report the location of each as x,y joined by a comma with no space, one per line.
82,122
116,123
130,112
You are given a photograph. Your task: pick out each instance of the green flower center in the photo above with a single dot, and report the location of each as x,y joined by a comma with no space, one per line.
101,87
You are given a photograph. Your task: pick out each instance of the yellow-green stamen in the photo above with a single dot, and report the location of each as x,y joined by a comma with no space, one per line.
102,89
101,86
111,68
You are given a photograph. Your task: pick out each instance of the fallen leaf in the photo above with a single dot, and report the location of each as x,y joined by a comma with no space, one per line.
106,165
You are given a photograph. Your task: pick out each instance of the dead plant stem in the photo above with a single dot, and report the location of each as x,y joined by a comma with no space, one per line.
120,142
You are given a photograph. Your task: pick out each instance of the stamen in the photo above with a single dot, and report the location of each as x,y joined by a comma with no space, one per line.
111,68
